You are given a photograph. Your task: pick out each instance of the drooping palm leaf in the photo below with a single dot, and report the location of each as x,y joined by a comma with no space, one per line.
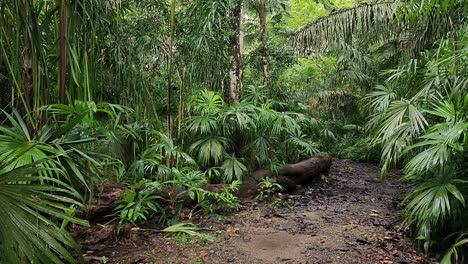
344,23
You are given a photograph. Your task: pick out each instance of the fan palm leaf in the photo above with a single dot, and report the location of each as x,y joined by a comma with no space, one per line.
206,103
241,115
233,169
45,143
439,144
379,99
209,149
202,125
302,146
27,233
434,202
401,114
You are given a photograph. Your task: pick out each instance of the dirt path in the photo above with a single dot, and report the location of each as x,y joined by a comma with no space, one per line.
351,217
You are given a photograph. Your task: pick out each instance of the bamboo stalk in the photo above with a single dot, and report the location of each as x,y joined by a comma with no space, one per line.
63,49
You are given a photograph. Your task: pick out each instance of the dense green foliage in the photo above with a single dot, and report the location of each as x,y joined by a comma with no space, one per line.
140,92
420,117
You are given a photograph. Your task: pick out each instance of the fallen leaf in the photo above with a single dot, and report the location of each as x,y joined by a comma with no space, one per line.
231,229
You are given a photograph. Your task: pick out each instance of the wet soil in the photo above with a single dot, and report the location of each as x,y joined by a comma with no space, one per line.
350,216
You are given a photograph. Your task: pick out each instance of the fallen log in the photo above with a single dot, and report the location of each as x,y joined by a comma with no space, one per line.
106,194
290,175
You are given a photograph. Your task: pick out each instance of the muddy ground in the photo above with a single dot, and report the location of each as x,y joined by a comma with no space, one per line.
350,216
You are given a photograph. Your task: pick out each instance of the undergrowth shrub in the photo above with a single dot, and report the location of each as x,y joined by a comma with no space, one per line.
419,117
251,129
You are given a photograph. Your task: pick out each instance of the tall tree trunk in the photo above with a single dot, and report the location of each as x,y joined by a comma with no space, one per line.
169,79
171,72
27,73
235,71
26,93
453,28
63,49
263,40
26,53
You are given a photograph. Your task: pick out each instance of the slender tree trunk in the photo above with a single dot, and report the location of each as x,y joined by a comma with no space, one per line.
453,28
171,71
169,79
263,40
235,71
63,49
27,72
26,53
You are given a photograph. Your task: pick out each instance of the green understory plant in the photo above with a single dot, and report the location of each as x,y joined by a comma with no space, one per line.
206,202
452,253
267,187
420,120
50,141
280,201
226,199
353,143
138,203
221,133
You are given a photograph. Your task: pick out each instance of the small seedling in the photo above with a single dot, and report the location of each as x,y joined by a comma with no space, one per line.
267,187
324,177
289,203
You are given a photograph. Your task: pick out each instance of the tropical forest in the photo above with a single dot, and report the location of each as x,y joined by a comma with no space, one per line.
233,131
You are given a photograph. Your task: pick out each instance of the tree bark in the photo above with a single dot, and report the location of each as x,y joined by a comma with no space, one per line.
235,71
263,40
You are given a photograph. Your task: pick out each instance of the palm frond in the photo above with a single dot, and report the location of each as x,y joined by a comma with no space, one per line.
209,149
379,99
233,169
202,125
26,232
438,146
452,253
342,24
401,114
433,203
